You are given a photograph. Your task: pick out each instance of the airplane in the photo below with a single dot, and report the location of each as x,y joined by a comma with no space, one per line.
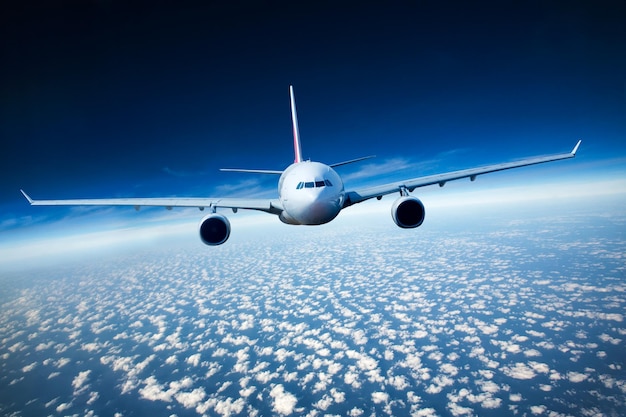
309,193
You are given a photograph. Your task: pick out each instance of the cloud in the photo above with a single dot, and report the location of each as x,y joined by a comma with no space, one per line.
248,187
283,401
190,399
532,353
205,315
80,382
519,371
576,377
30,367
379,397
193,360
370,170
226,407
154,391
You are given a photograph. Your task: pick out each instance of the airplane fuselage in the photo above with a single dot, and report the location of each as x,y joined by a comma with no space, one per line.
311,193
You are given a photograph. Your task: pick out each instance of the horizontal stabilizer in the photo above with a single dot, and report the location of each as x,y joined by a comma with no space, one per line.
338,164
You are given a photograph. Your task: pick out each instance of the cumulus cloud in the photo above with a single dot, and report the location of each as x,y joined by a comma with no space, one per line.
29,367
380,397
519,371
200,338
79,383
576,377
284,402
191,399
193,360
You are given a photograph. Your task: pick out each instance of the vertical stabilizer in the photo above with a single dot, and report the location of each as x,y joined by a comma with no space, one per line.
296,132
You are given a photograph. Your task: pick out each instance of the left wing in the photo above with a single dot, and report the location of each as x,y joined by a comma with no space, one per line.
362,194
266,205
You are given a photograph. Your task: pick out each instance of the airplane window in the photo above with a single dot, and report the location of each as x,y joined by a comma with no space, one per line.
309,184
319,184
328,183
300,185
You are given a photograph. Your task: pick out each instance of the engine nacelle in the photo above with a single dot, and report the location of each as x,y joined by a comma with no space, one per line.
214,229
408,212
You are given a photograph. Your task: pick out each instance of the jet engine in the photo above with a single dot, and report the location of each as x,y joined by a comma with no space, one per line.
408,212
214,229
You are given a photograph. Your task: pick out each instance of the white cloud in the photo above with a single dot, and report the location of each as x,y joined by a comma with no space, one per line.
29,367
576,377
458,410
532,353
337,395
424,412
491,403
80,382
449,369
488,386
380,397
229,407
194,360
284,402
352,378
542,368
519,371
62,407
154,391
399,382
323,403
369,170
191,399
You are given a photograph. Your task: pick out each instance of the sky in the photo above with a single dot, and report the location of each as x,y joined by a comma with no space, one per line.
145,99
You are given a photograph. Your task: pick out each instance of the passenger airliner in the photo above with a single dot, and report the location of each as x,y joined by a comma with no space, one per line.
309,193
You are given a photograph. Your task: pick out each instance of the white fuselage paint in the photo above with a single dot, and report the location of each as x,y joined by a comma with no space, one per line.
303,197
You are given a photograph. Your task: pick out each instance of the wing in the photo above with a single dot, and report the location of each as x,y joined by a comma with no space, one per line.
362,194
266,205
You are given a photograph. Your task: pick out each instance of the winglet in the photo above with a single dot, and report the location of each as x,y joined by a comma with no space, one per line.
296,132
576,147
30,200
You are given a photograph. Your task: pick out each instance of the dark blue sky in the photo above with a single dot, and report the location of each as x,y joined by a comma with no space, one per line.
118,98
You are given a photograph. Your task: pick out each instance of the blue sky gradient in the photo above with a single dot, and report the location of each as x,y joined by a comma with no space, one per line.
111,99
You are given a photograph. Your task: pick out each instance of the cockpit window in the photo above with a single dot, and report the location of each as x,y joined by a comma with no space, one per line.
314,184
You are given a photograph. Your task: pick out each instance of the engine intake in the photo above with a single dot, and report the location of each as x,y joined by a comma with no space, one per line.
408,212
214,229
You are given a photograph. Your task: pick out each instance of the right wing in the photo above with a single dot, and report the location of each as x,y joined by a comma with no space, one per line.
266,205
362,194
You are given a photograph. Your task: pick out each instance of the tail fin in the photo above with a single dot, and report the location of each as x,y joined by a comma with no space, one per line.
296,132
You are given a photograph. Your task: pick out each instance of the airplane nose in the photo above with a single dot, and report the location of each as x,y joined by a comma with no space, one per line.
322,209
